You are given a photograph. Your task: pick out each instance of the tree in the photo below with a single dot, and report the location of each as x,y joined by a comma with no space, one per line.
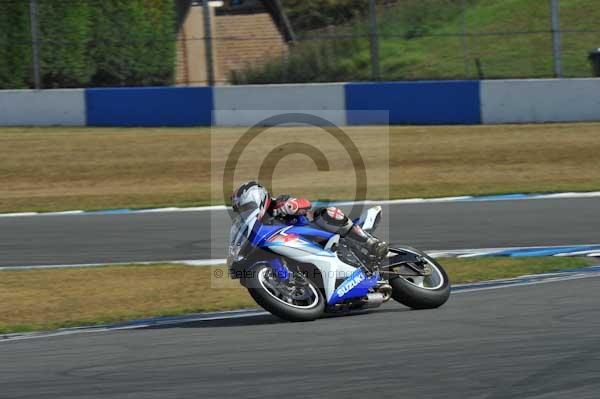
142,56
15,45
65,29
89,43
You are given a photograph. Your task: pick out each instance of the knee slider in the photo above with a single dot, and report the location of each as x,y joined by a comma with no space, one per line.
333,220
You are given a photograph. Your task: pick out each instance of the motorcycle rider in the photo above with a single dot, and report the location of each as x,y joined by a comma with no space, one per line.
288,208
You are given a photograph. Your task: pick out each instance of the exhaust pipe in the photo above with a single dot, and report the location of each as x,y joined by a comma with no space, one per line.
374,299
386,290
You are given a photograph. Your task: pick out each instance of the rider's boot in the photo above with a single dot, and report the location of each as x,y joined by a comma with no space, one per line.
369,246
333,220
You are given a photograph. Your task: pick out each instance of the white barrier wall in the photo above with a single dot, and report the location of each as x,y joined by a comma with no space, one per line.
261,102
540,100
501,101
42,108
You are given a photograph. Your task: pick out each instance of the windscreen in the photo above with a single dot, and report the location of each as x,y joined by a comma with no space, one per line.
240,230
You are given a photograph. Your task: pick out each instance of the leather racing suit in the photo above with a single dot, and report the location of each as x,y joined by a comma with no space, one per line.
330,219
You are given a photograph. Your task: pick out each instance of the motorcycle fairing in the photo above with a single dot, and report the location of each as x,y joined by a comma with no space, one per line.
286,237
262,232
330,266
357,285
294,242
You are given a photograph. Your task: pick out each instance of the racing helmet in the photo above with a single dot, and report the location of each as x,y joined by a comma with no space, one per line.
249,197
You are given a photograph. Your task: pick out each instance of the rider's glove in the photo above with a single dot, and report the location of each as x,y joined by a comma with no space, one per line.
286,206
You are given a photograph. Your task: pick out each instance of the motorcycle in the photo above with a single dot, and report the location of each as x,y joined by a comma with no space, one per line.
299,272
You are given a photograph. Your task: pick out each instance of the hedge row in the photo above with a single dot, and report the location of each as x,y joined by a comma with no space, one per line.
15,54
89,43
306,15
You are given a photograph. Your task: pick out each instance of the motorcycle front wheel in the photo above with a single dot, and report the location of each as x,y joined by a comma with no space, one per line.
286,299
423,292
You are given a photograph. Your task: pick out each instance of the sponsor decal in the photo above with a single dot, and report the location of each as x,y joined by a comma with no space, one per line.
283,236
349,284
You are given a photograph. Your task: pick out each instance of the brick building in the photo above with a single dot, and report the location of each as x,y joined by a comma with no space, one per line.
242,32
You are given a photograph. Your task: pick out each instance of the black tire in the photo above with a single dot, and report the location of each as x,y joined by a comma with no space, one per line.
416,297
279,308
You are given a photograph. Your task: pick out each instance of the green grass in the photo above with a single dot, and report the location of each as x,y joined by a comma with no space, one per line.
54,169
470,270
418,41
34,300
37,300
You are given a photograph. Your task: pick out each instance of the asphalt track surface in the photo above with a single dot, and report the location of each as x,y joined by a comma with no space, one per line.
539,341
80,239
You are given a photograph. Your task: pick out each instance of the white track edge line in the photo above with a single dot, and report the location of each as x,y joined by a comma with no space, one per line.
484,198
254,312
460,253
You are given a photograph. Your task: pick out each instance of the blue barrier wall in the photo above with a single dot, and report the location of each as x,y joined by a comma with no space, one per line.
420,103
149,106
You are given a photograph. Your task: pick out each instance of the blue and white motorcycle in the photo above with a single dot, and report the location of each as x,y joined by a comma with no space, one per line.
299,272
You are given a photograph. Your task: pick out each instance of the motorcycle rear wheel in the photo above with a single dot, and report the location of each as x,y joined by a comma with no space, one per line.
263,286
422,292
